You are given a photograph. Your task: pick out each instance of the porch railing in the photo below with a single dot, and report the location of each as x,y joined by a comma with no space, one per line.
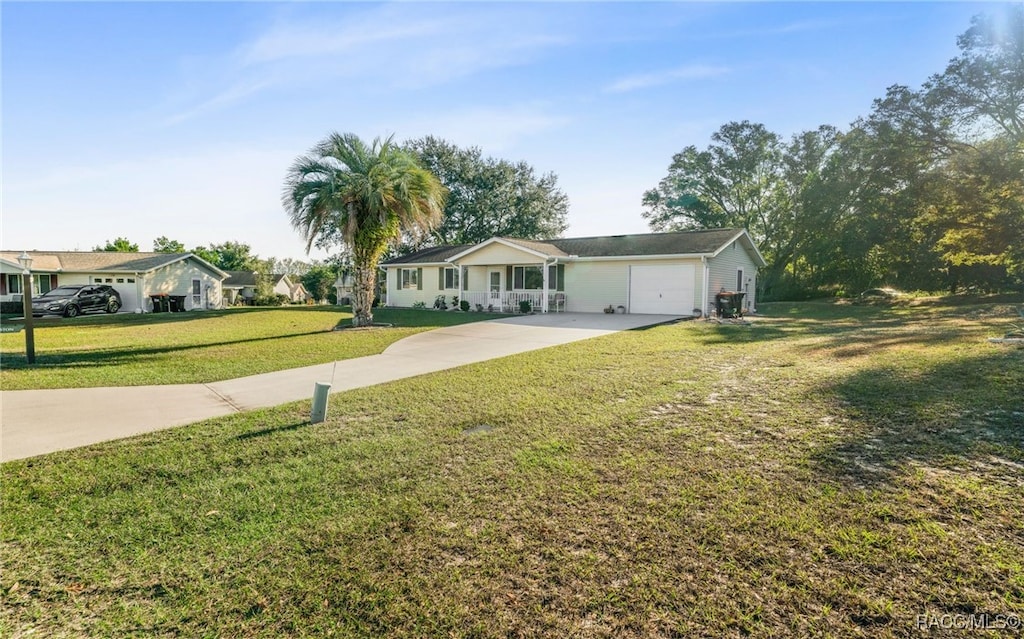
508,301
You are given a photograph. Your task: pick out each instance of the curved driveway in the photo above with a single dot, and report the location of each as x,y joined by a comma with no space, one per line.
36,422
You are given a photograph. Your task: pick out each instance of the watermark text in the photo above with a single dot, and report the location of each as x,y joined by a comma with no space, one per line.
975,621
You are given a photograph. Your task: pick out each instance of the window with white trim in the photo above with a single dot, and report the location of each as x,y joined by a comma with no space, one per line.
13,283
408,278
451,277
197,293
527,278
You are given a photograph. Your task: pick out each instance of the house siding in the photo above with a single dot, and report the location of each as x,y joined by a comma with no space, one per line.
722,274
591,286
400,297
499,254
176,279
477,277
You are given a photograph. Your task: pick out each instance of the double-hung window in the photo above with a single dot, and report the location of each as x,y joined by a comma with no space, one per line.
527,278
451,278
409,278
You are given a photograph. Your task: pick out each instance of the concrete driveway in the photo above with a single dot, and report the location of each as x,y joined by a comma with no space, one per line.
36,422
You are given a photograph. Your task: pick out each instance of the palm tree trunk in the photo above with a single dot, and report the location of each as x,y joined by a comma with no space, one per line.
363,290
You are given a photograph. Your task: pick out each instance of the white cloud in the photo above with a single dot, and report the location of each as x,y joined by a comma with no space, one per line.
368,50
670,76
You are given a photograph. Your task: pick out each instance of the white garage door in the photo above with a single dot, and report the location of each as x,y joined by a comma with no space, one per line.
129,297
664,289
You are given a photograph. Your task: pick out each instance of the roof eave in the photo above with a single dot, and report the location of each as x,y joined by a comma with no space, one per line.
660,256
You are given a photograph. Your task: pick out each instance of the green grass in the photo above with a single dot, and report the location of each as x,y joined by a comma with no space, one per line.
184,348
828,471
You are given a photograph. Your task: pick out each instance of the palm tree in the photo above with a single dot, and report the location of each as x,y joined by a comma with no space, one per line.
364,197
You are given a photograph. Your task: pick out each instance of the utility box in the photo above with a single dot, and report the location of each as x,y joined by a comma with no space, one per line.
321,392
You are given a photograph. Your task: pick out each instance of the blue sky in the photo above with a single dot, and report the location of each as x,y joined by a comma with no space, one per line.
181,119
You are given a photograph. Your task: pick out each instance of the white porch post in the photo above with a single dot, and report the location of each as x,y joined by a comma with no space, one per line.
544,292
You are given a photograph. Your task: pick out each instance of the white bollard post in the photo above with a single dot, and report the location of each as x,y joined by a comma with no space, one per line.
320,394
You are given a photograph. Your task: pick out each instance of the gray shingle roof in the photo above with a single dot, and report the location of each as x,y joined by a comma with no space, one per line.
675,243
703,242
90,261
428,255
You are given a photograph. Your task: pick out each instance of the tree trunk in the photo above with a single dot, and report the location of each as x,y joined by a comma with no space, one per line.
363,290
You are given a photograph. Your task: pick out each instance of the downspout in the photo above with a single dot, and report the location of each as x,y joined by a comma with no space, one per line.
139,306
707,280
547,294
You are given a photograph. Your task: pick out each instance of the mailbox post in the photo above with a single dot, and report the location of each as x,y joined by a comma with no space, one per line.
26,289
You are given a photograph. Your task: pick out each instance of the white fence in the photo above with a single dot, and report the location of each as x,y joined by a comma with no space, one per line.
508,301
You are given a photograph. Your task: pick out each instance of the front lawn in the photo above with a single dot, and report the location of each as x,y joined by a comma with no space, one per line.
826,472
183,348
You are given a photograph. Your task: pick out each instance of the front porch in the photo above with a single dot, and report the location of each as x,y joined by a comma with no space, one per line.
511,301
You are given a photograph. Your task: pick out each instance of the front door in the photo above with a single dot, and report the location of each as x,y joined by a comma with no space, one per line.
494,289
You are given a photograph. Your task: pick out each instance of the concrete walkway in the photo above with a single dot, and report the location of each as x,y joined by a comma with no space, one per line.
35,422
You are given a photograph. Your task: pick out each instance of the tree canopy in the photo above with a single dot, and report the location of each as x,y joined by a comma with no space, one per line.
365,197
229,256
164,245
924,192
488,197
120,245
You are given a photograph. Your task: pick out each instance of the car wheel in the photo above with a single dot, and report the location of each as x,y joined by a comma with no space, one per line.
113,305
71,311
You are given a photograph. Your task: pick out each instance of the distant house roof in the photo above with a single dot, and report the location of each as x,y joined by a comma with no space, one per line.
706,242
99,261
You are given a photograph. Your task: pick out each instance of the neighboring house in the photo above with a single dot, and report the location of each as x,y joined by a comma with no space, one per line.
298,293
661,273
240,287
136,276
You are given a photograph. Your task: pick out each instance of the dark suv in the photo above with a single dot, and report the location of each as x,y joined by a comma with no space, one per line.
72,299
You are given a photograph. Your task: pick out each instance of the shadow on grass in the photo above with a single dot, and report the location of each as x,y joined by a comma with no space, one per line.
953,414
107,357
286,428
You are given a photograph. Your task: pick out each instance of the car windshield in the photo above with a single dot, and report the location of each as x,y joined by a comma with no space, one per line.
62,291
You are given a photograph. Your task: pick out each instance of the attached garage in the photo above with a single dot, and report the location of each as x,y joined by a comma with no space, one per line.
129,291
136,276
661,289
